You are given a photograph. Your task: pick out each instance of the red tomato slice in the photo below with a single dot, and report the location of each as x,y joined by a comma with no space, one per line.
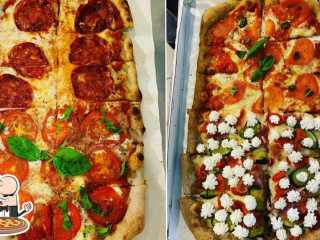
274,49
113,205
270,28
300,135
306,52
273,99
305,161
23,198
19,124
303,83
106,166
10,164
241,87
49,173
46,220
240,205
241,189
278,176
221,30
223,62
221,184
257,107
96,130
281,121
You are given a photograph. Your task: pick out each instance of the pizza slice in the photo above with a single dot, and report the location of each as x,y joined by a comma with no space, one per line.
233,20
288,19
94,16
31,16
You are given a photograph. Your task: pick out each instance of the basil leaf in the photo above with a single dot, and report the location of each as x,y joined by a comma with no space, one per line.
267,63
23,148
109,125
63,144
256,76
248,41
233,91
123,168
88,230
67,113
243,22
285,25
57,127
44,155
70,162
103,232
87,204
309,93
2,127
254,49
241,54
66,220
292,88
296,55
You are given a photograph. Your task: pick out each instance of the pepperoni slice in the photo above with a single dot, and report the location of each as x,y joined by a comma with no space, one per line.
274,98
94,50
93,127
106,166
10,164
221,30
304,83
295,11
97,16
95,83
23,198
223,62
29,60
113,205
34,15
305,49
241,87
19,124
15,92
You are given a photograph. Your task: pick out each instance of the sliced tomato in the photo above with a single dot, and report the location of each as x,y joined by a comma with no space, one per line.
223,62
241,87
273,99
48,172
274,49
270,28
300,135
305,161
96,130
232,162
306,52
46,220
241,189
304,83
281,121
10,164
113,205
55,132
221,184
240,205
257,107
106,166
23,198
282,141
220,165
279,175
295,11
19,124
221,30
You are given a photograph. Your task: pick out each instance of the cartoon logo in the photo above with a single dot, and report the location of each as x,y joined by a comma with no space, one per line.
11,220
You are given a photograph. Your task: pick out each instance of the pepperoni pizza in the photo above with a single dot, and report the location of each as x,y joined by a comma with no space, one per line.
251,168
71,128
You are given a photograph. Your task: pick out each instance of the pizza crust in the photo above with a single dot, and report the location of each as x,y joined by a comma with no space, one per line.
198,91
203,59
188,174
194,137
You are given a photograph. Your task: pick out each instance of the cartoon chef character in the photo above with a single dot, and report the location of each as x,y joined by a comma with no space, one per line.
9,201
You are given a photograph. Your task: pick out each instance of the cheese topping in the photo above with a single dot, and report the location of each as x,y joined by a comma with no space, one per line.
231,119
307,123
252,121
223,128
293,214
248,163
274,119
238,171
200,148
220,228
232,130
250,202
312,205
307,142
233,182
249,133
209,162
276,223
248,179
312,186
236,216
280,204
233,143
295,157
213,144
226,201
207,210
227,172
275,135
246,145
296,231
288,148
225,143
291,121
317,177
249,220
293,196
287,133
214,116
237,152
310,220
211,128
240,232
317,123
314,166
302,176
256,142
281,234
284,183
221,215
283,166
210,182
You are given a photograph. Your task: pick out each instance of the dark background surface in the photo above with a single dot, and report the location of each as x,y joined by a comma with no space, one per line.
172,12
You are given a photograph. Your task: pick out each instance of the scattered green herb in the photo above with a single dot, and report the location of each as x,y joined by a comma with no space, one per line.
243,22
109,125
233,91
241,54
254,49
66,220
2,127
309,93
67,114
285,25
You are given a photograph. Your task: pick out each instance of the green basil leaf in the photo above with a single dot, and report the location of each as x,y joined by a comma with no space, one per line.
296,55
292,88
309,93
63,144
103,232
67,113
254,49
88,230
248,41
241,54
109,125
256,76
243,22
233,91
87,204
124,167
23,148
66,220
70,162
267,63
57,127
2,127
285,25
44,155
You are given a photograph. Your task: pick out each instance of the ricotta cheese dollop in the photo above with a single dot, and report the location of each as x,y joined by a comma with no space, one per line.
207,210
287,133
223,128
280,204
250,202
302,176
227,172
200,148
210,182
248,133
293,196
288,148
312,186
312,205
226,201
283,166
220,228
237,152
246,145
238,171
255,142
275,135
284,183
310,220
248,179
221,215
314,166
276,223
293,214
249,220
213,144
251,119
248,163
231,119
214,116
281,234
274,119
295,157
296,231
236,216
307,123
307,142
291,121
211,128
240,232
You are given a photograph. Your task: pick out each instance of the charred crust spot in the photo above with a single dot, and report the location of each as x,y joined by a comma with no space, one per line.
143,129
135,111
140,95
140,156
